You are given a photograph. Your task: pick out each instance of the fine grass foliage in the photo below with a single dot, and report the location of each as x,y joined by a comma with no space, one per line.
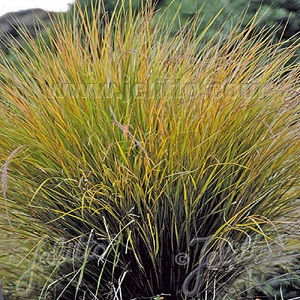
136,163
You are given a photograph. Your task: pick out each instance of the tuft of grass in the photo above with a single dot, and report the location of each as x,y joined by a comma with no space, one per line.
148,166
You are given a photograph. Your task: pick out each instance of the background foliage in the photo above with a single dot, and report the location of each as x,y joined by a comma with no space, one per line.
284,14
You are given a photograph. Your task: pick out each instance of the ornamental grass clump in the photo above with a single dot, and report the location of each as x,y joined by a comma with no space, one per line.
138,165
